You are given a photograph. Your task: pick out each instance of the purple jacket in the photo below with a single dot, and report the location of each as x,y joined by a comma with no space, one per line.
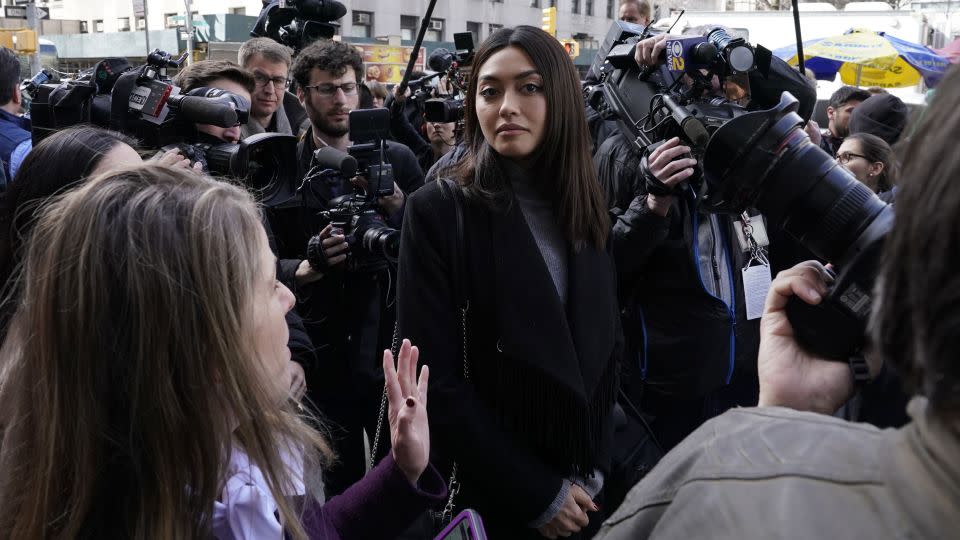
381,505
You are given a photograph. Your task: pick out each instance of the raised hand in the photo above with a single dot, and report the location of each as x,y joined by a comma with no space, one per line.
407,401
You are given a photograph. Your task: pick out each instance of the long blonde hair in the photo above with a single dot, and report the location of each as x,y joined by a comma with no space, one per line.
130,364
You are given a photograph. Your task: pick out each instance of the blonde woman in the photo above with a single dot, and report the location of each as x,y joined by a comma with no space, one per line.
143,389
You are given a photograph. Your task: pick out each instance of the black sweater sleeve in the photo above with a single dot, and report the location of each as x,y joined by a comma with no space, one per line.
498,468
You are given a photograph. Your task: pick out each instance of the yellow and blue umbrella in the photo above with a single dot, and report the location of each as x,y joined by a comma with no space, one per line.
867,58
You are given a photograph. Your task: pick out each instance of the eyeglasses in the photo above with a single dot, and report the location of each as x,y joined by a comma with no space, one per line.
845,157
329,90
262,80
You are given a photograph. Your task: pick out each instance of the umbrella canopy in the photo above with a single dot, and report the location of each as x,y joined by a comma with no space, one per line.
868,58
951,52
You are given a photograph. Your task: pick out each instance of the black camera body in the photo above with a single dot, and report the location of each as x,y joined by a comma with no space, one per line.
753,159
456,66
297,23
372,241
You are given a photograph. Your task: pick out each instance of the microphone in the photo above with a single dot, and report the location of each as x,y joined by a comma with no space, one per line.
202,110
440,59
331,158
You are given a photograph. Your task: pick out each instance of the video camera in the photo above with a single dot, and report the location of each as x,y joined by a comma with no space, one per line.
456,66
761,159
355,215
144,103
297,23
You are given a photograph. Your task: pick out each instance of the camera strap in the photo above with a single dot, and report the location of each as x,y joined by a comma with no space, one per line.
756,269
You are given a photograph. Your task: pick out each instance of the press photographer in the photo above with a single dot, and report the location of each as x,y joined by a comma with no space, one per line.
345,291
273,109
690,322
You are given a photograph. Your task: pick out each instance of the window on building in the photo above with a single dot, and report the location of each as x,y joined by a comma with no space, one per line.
98,25
589,6
170,20
408,27
84,27
494,27
238,11
609,9
474,28
575,6
141,23
123,24
362,24
435,30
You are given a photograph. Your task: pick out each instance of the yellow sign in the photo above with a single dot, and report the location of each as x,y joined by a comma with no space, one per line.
572,46
387,64
549,20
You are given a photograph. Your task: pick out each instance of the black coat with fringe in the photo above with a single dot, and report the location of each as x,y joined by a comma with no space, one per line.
538,405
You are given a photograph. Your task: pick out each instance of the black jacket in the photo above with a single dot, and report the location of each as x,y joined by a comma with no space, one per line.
681,339
508,427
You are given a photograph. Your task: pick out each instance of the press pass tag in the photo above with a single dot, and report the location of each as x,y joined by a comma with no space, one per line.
756,283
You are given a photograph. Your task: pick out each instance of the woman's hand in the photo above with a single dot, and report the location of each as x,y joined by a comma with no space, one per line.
407,399
572,516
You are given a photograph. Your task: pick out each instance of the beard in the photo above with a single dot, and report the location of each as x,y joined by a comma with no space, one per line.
327,127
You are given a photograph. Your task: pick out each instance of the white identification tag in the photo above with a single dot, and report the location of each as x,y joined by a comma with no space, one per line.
756,283
757,229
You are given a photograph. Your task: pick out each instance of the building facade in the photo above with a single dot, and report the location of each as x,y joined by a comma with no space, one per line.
585,20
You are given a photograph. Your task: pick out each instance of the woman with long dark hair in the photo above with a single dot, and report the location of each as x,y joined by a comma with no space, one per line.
521,398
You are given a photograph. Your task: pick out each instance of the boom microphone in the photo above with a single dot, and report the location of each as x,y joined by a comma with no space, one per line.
331,158
440,60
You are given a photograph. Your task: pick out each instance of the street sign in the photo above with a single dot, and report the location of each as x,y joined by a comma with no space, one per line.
20,12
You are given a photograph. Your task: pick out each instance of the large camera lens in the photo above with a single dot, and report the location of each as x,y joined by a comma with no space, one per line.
382,241
443,110
764,159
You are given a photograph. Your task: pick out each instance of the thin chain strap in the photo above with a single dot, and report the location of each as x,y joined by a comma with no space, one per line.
395,348
454,484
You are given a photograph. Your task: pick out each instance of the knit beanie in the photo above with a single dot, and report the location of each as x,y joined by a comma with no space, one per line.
883,115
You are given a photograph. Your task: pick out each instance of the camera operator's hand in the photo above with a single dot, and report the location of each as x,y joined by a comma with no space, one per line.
391,204
407,400
813,131
335,247
173,158
790,376
668,165
648,50
306,274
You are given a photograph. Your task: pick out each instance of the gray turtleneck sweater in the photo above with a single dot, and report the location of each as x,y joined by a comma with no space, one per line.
539,215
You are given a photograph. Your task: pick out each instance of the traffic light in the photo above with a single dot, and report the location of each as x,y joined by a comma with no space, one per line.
549,20
18,40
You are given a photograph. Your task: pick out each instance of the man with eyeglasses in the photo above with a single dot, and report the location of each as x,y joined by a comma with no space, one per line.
347,308
273,109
